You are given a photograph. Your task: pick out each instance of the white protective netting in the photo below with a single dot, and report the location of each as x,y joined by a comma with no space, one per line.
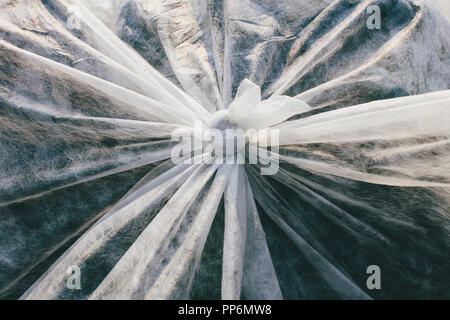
91,92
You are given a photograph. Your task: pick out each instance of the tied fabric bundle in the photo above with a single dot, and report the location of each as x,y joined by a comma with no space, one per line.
90,95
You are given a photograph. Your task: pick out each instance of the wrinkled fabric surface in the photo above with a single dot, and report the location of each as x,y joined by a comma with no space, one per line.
86,117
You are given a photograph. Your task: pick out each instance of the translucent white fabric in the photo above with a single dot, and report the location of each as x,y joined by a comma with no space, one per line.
91,92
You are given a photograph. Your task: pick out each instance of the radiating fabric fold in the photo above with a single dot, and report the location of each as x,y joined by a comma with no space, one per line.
92,94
